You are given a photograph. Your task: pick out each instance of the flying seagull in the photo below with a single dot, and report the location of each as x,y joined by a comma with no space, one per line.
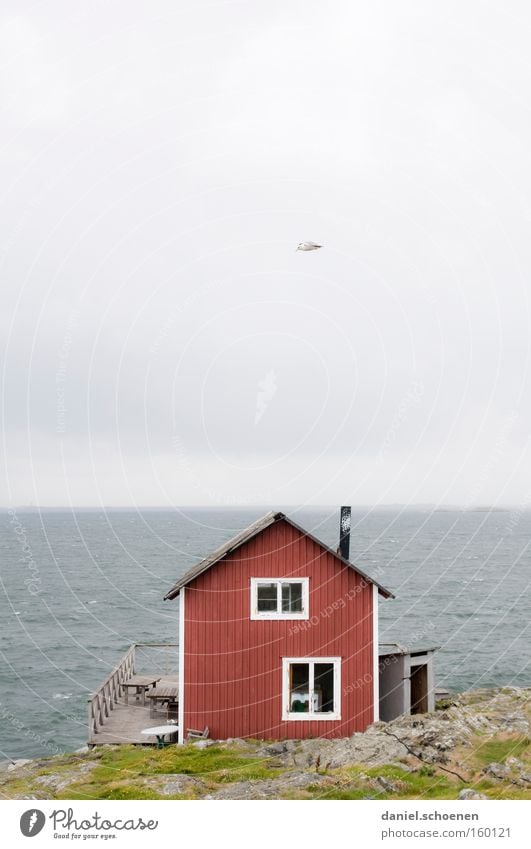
308,246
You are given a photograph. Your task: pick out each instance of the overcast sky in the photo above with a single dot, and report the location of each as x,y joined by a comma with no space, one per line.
162,341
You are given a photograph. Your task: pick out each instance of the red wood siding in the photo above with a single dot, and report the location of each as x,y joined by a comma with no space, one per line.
233,666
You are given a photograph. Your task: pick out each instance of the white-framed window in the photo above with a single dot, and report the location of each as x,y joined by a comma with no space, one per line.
311,688
280,598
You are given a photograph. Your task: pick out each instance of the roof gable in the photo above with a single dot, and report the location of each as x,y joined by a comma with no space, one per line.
247,534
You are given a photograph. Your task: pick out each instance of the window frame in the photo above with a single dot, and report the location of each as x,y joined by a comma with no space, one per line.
292,716
279,614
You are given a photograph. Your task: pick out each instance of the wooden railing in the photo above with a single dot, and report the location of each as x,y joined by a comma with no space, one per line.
103,700
108,694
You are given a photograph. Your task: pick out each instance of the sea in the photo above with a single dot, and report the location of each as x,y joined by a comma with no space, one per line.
79,587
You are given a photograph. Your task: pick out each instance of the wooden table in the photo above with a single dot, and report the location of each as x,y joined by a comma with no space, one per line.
160,731
162,694
141,683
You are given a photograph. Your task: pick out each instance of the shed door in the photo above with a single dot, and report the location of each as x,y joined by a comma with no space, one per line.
419,689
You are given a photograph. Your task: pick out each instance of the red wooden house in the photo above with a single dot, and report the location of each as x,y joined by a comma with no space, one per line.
278,637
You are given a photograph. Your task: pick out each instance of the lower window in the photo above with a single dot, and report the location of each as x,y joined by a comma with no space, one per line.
311,688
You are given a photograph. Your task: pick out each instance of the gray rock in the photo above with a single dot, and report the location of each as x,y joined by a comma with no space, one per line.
53,783
444,744
19,763
388,786
202,744
57,782
174,784
237,741
275,749
271,788
498,771
468,793
302,759
429,737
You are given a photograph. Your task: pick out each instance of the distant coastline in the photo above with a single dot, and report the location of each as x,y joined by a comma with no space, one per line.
429,508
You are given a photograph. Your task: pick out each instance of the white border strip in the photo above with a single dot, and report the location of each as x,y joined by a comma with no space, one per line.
375,657
181,666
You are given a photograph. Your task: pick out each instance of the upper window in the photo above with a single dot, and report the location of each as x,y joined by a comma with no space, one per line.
311,688
274,598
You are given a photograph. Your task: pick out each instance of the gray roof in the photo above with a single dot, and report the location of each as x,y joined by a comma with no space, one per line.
385,649
247,534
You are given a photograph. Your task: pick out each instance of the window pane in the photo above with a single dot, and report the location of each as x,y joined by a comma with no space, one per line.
323,688
266,598
292,598
299,687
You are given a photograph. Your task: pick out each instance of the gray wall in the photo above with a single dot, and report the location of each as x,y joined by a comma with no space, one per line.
394,690
426,660
395,687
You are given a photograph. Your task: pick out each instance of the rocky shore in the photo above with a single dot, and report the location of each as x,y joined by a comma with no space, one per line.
476,745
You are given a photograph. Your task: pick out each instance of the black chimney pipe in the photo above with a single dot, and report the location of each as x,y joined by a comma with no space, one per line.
344,533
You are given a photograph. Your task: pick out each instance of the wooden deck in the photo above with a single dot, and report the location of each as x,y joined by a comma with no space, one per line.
126,721
111,719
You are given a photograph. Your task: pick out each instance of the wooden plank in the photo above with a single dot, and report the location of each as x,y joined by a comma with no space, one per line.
163,693
140,680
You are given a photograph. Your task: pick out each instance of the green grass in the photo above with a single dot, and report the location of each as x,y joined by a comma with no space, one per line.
410,785
185,760
497,751
425,783
117,776
121,772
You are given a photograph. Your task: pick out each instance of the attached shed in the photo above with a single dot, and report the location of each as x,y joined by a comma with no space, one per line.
407,680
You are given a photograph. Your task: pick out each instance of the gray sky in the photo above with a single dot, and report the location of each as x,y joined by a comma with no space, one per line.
163,343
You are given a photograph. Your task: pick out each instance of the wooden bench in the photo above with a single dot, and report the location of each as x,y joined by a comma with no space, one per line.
140,683
163,695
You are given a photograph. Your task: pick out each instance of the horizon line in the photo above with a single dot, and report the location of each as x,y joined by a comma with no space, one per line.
168,508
